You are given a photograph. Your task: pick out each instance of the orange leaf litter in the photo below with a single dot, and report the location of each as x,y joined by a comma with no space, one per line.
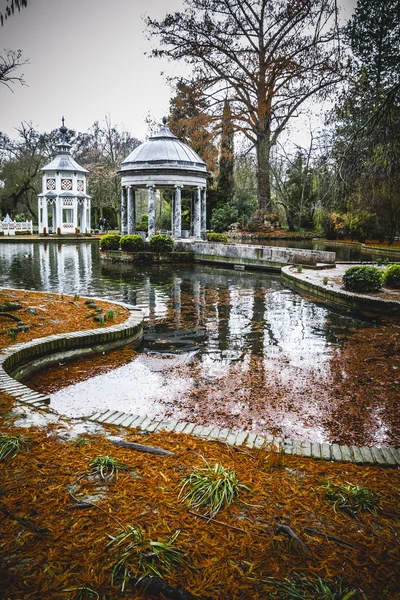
221,562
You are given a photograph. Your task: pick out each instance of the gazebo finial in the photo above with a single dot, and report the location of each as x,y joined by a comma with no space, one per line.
63,130
164,120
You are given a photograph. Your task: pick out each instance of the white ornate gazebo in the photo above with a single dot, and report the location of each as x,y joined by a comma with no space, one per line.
164,162
64,193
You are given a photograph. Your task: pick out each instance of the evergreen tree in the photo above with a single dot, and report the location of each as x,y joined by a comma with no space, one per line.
226,159
367,147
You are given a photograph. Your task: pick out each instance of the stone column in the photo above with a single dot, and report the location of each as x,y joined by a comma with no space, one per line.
203,213
75,213
54,216
45,216
124,225
59,214
83,216
150,195
131,210
196,213
88,215
177,231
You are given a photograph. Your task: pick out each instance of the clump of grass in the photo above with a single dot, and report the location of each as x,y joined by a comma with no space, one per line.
301,587
139,556
10,445
107,466
76,296
299,268
83,593
110,315
13,334
211,487
351,497
325,281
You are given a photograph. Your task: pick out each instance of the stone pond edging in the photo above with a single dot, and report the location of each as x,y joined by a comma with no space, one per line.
384,457
19,361
385,252
340,296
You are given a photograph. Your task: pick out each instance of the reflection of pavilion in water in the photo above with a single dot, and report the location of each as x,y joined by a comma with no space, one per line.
229,317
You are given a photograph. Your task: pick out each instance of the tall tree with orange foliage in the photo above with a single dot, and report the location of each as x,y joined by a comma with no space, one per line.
190,122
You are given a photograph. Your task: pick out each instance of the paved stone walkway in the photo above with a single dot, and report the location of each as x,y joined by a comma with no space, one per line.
385,457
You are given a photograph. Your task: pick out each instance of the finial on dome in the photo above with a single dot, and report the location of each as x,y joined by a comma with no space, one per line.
164,120
63,130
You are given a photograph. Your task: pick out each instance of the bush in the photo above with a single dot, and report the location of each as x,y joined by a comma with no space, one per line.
217,237
363,279
132,243
391,277
110,241
161,243
222,217
143,224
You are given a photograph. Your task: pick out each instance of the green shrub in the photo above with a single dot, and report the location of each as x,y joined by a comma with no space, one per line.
391,277
161,243
217,237
132,243
143,224
363,279
222,217
110,241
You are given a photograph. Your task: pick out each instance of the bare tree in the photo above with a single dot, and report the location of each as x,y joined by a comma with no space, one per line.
268,56
12,60
9,63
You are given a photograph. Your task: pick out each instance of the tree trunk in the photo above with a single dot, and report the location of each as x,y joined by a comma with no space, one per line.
263,171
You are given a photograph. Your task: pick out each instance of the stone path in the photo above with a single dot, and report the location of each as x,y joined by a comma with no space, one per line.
385,457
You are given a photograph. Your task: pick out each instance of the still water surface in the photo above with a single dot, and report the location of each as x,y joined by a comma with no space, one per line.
221,347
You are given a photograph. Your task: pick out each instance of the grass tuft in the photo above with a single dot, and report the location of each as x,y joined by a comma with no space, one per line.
301,587
212,487
83,593
10,445
139,556
351,497
107,466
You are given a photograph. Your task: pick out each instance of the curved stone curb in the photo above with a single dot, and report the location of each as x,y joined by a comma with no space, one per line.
384,457
339,296
20,361
386,252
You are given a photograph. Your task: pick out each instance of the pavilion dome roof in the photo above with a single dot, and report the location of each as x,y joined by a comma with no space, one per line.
163,150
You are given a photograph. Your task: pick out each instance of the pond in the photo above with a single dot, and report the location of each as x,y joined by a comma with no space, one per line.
225,348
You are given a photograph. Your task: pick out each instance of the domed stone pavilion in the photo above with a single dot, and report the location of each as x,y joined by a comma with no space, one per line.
63,205
164,162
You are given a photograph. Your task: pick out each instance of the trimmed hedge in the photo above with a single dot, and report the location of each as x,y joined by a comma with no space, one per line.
110,241
217,237
161,243
391,277
363,279
132,243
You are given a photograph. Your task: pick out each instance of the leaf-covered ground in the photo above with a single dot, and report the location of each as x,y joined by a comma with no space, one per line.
51,542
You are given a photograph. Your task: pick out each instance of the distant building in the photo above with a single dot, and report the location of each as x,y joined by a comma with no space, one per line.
64,206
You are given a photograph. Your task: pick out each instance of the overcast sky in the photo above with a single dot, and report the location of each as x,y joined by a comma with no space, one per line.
87,60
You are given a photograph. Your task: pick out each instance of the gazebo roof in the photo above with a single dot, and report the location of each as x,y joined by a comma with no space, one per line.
163,150
63,160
